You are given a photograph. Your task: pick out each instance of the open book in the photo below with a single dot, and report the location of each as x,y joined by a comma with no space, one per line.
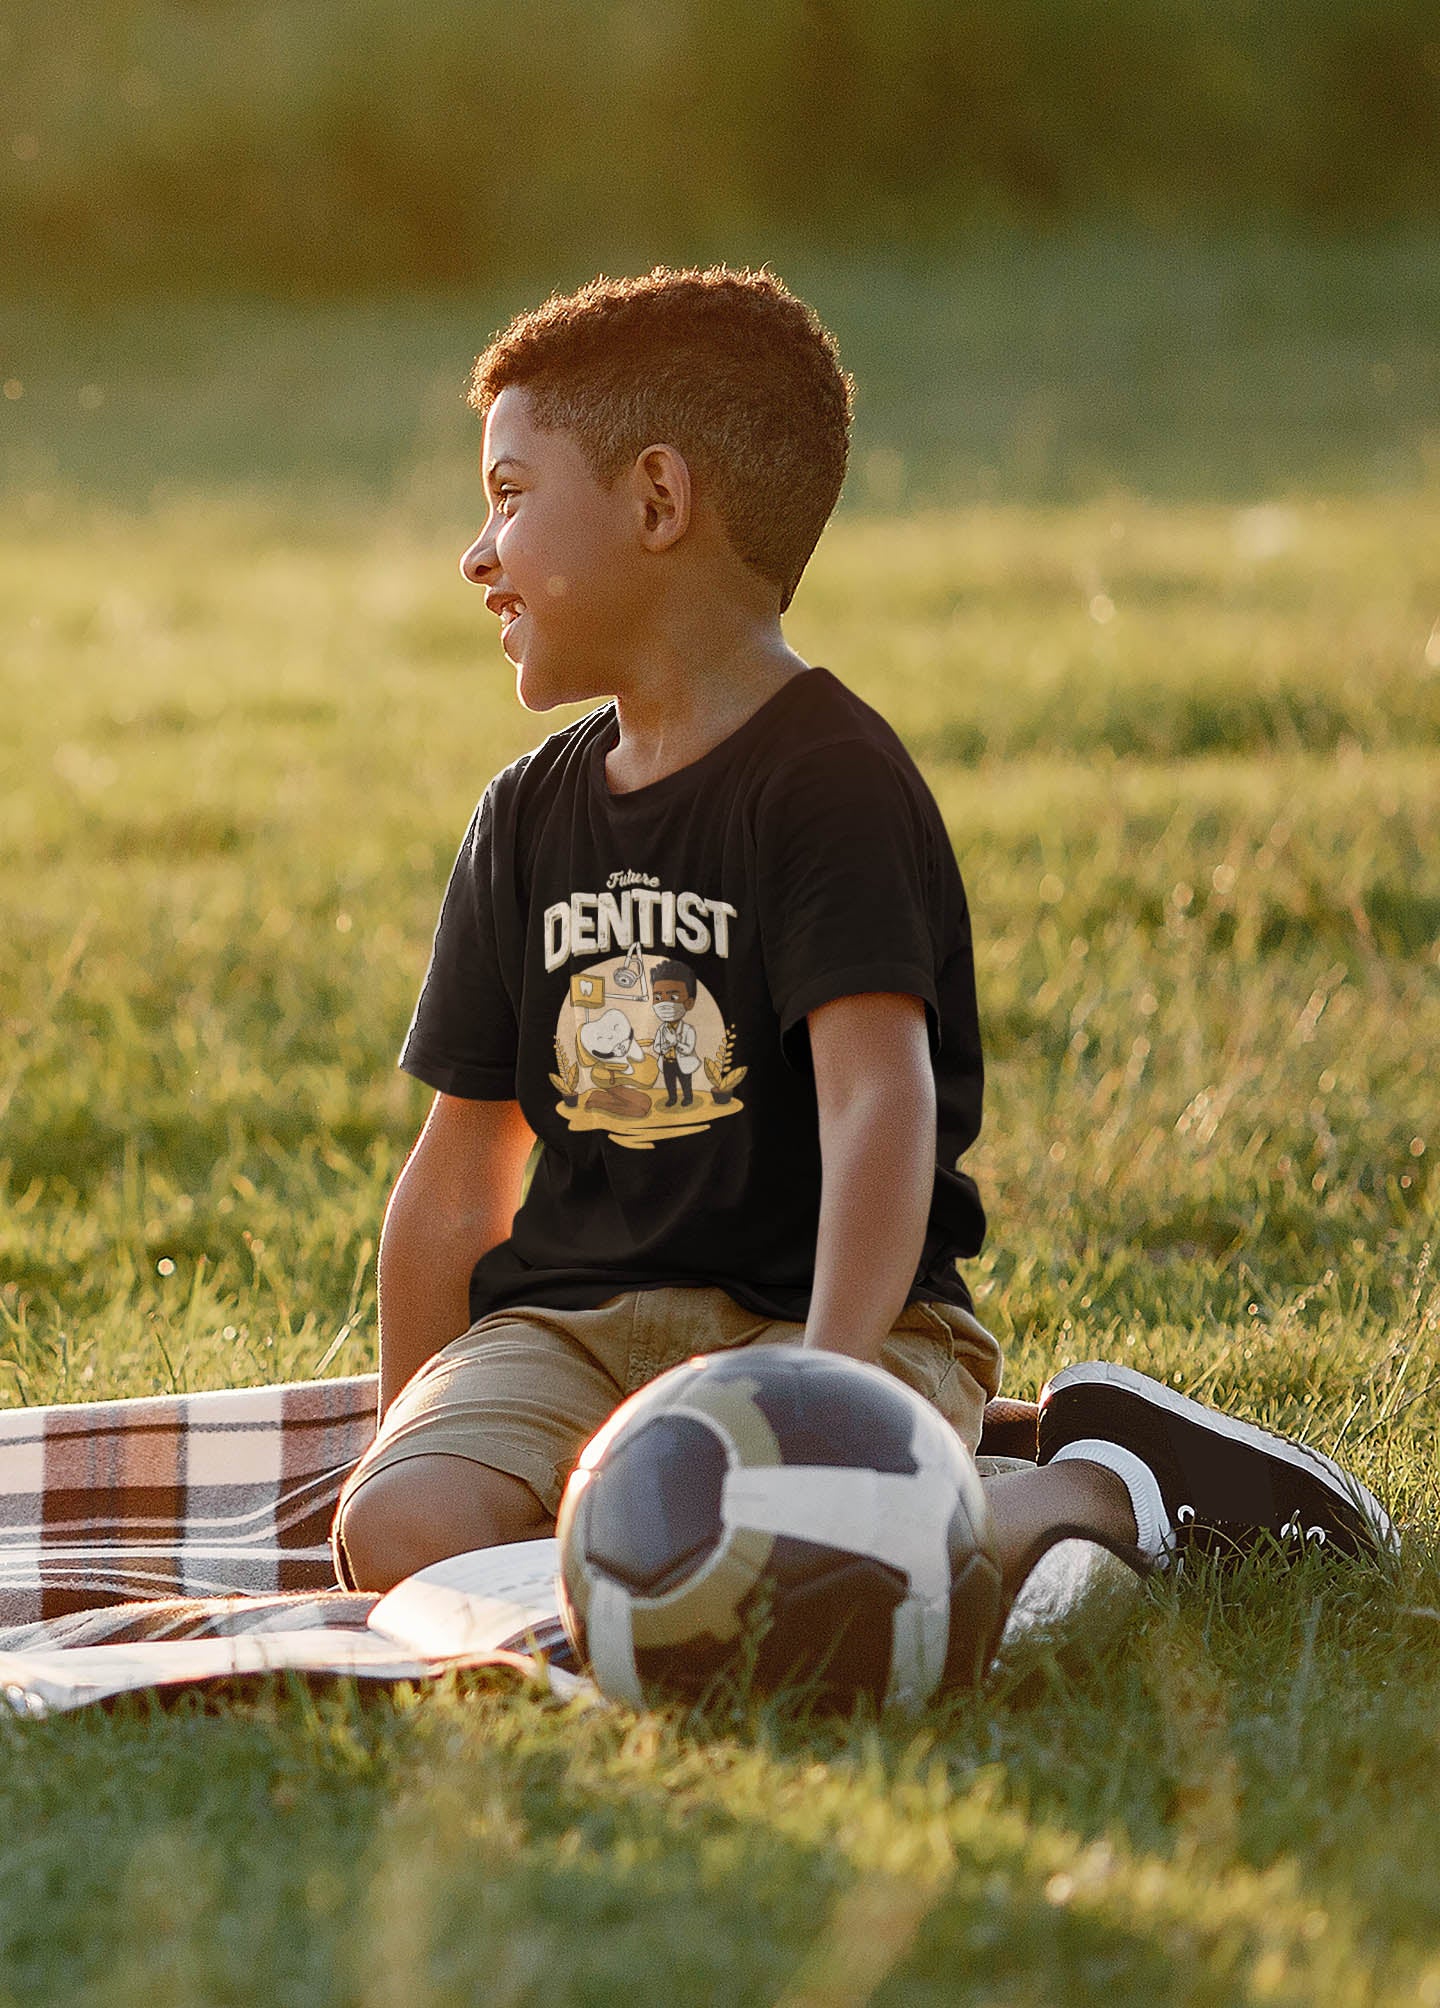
496,1607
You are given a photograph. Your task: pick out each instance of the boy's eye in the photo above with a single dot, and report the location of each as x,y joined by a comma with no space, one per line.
503,498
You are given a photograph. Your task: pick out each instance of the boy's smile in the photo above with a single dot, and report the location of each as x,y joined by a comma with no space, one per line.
557,558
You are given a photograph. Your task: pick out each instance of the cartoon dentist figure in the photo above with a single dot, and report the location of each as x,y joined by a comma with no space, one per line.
672,993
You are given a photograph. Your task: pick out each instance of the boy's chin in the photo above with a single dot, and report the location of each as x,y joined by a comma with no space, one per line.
540,688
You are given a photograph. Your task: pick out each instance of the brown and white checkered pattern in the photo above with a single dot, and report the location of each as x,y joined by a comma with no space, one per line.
197,1495
126,1520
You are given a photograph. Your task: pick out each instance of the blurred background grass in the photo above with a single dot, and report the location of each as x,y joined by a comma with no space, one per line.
1035,368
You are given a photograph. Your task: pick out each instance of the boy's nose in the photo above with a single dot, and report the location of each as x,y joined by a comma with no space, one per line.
479,561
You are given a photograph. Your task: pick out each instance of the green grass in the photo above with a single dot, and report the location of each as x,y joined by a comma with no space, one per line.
1189,753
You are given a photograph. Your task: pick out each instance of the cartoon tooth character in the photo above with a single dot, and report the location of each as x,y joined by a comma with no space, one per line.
610,1049
673,989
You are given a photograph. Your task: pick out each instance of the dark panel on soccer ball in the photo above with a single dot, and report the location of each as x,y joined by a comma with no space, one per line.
832,1622
824,1414
821,1619
654,1505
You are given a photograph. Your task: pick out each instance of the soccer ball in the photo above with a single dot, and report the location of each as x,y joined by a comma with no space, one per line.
778,1515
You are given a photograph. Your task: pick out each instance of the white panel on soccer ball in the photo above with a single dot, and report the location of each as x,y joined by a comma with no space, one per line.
892,1517
920,1640
610,1641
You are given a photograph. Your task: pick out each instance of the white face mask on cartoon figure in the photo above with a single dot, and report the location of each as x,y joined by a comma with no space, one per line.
668,1009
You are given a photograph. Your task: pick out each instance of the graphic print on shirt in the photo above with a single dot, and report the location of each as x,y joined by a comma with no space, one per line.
641,1047
642,1052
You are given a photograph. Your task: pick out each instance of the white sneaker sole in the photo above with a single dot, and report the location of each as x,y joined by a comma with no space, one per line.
1299,1455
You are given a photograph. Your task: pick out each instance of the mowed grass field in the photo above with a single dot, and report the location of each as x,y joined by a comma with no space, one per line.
1190,758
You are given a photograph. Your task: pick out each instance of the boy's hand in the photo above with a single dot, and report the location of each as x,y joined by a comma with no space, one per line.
455,1200
875,1087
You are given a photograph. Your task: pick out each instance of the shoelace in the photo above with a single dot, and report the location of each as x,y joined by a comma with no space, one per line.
1291,1531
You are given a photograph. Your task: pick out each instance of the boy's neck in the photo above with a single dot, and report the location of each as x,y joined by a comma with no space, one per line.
674,710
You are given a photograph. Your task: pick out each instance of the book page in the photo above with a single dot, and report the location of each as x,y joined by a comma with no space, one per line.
481,1602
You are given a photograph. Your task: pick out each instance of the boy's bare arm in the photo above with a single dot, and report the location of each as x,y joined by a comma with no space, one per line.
455,1199
875,1087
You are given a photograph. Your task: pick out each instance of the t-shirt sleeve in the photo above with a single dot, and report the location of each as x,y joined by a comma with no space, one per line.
464,1038
846,878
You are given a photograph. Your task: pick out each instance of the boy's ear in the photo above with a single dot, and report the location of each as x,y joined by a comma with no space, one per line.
662,485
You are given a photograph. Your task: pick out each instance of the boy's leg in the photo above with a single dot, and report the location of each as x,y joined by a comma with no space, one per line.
1026,1508
427,1508
947,1356
475,1450
1009,1429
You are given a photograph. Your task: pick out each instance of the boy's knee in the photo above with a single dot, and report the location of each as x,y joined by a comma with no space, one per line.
406,1516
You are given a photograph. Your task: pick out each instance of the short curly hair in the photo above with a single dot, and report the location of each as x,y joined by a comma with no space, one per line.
726,365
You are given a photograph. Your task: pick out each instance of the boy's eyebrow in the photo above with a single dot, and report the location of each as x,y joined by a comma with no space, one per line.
505,460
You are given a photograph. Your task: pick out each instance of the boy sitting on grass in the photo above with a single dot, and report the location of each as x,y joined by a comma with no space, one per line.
710,946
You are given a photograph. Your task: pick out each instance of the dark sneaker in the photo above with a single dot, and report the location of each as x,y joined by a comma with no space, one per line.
1225,1483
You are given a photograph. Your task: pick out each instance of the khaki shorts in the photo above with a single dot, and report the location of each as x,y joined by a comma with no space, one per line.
525,1389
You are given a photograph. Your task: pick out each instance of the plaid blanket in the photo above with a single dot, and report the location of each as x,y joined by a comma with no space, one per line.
203,1515
174,1496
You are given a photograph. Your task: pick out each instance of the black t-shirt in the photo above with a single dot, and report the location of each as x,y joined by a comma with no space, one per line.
636,970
